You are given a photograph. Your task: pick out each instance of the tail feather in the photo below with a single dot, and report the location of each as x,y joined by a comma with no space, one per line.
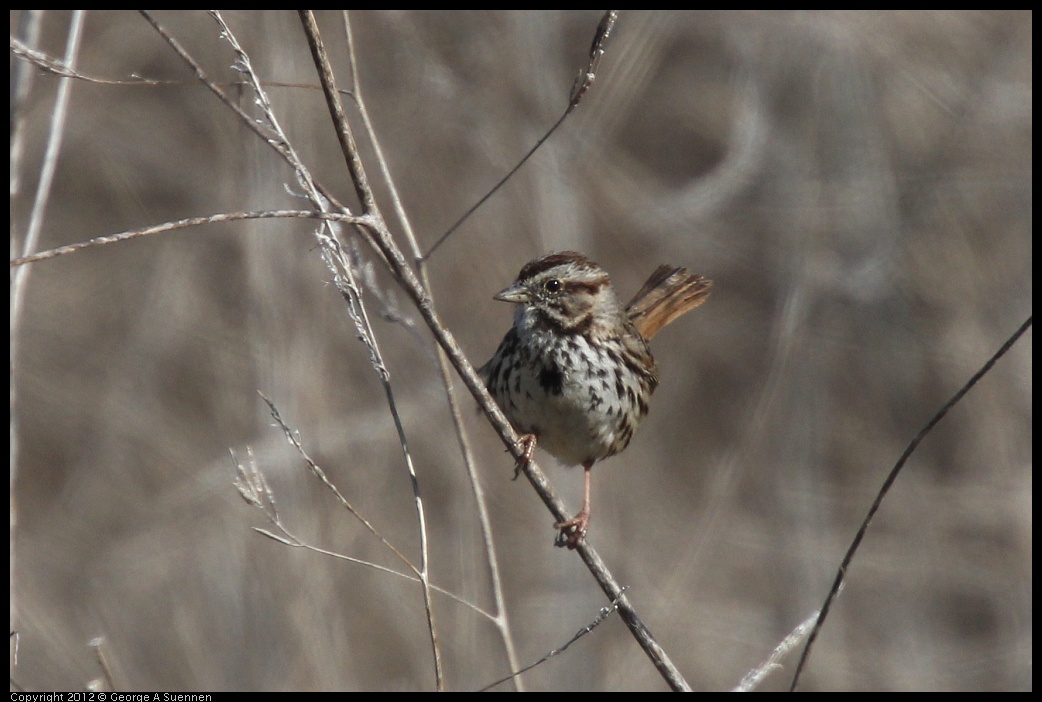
668,293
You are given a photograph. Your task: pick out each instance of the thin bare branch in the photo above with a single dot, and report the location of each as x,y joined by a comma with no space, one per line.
48,64
294,440
20,278
502,619
346,285
273,136
184,224
601,616
57,67
584,81
582,84
841,574
253,486
339,116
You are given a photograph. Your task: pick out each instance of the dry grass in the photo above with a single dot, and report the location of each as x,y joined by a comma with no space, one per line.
857,185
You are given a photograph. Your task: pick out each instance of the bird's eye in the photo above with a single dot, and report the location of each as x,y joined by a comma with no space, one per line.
553,285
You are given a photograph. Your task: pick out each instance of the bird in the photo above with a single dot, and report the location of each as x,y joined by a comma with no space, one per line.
574,373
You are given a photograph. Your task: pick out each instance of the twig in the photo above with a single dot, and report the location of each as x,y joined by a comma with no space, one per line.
184,224
502,620
273,138
370,209
582,84
254,490
316,470
49,64
601,616
841,574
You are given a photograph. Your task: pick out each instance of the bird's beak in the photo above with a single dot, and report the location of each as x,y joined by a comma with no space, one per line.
516,293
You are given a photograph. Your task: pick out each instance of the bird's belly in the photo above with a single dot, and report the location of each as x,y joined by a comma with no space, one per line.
580,416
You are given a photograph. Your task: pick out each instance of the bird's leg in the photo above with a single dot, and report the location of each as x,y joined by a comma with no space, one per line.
573,531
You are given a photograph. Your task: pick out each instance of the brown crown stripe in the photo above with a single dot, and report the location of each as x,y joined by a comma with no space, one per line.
533,268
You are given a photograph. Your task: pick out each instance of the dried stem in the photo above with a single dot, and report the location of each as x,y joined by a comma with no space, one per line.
597,621
501,620
20,278
841,574
583,82
407,279
185,224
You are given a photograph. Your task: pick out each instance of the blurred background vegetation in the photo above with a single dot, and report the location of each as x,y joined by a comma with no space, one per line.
857,184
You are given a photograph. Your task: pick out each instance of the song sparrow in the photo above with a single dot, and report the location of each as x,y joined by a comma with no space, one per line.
575,372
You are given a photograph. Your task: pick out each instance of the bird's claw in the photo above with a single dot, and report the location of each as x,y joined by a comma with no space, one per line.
528,442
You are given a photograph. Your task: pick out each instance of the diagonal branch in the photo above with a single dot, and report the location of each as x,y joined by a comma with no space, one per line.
382,239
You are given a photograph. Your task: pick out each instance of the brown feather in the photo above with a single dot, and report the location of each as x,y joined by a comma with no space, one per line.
668,293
